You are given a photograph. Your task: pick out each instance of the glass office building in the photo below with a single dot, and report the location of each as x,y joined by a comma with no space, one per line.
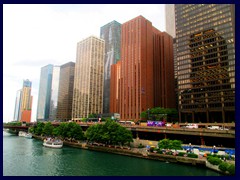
65,93
54,93
205,44
44,93
111,33
17,106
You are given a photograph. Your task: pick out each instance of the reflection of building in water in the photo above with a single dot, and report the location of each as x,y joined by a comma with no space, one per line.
111,33
206,60
88,78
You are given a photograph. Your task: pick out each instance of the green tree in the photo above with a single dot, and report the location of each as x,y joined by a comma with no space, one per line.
164,144
109,133
48,129
74,131
39,128
169,113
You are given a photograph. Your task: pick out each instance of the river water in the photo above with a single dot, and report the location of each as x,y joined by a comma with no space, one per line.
28,157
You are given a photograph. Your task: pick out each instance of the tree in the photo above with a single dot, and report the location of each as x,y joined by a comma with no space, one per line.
160,113
48,129
170,144
109,133
39,128
74,131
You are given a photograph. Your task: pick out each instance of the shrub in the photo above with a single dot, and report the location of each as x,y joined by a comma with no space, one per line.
214,160
181,153
231,169
159,151
223,166
140,145
192,155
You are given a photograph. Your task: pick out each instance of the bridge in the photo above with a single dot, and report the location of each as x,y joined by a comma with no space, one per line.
200,135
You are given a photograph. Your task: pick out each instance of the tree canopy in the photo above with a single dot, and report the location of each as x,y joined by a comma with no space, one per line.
109,133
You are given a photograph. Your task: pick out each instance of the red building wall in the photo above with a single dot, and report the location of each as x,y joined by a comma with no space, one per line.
114,87
136,84
147,70
26,116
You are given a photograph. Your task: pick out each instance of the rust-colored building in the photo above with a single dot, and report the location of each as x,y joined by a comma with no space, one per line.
146,70
114,88
26,116
163,70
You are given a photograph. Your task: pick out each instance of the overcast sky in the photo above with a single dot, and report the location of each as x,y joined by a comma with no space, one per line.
37,35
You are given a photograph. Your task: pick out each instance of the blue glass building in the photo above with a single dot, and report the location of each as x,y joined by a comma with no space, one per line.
44,93
111,33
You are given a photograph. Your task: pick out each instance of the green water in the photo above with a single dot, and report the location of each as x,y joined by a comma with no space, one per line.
27,157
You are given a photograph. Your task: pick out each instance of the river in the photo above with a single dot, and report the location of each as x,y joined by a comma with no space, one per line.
28,157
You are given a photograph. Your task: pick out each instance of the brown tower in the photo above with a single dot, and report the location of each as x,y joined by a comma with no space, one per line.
146,62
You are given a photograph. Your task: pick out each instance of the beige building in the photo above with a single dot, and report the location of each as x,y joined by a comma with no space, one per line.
88,78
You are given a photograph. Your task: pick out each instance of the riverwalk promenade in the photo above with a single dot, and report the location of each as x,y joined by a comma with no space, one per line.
134,151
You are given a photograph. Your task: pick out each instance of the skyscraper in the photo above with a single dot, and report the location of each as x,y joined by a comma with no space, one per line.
171,29
23,103
111,33
65,93
170,20
17,114
205,38
44,93
26,101
88,78
54,93
146,65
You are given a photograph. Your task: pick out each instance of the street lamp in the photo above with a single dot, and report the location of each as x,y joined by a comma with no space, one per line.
148,113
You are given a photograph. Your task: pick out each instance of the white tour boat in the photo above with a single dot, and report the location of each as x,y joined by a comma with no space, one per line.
57,143
28,135
22,133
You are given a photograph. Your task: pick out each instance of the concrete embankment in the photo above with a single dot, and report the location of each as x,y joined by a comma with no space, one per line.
137,152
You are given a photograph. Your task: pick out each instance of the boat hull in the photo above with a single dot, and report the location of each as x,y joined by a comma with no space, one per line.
52,145
22,134
28,136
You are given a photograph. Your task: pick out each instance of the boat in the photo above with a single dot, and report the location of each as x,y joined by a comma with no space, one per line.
28,135
52,143
22,133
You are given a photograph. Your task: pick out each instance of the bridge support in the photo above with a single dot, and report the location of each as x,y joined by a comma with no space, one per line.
202,141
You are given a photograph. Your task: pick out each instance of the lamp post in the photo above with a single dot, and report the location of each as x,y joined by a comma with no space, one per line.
148,113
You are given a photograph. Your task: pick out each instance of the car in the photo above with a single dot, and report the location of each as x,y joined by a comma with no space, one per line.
168,125
213,127
192,126
223,128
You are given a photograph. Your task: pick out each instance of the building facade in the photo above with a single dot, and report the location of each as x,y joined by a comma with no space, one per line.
88,78
146,65
54,93
44,93
111,33
23,103
114,88
65,93
170,19
17,113
205,39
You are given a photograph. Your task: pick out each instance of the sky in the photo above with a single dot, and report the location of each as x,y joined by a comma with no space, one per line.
35,35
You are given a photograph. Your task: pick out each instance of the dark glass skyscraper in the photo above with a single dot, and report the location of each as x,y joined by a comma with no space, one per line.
111,33
65,93
205,39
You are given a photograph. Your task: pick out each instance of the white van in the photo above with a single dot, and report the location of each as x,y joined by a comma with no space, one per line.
213,127
192,126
